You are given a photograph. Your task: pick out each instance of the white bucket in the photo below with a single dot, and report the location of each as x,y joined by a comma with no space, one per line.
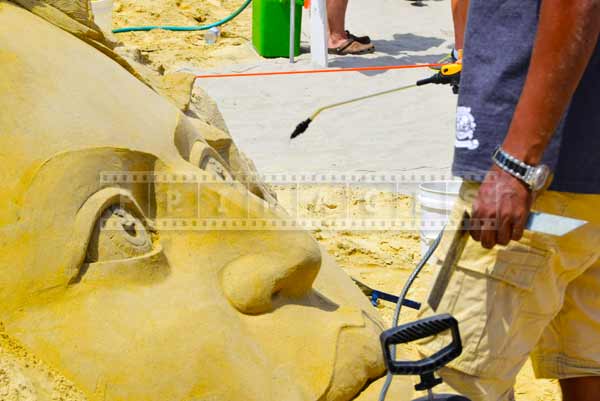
436,201
102,10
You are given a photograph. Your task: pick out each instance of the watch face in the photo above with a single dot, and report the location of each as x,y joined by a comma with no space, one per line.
539,177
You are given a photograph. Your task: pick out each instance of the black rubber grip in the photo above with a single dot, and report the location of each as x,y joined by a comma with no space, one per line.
431,80
415,331
441,79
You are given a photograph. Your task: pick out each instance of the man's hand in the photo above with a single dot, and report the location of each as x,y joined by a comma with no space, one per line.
500,210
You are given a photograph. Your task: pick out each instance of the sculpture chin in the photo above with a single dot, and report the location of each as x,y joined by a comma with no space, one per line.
354,370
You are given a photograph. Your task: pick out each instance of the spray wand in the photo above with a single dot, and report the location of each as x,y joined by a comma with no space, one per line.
303,126
448,74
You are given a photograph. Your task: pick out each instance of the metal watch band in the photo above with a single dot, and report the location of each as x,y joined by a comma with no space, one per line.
511,165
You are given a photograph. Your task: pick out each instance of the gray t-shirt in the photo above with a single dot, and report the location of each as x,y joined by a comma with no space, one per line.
499,39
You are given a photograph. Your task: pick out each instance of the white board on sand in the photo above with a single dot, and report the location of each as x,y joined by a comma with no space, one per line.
318,33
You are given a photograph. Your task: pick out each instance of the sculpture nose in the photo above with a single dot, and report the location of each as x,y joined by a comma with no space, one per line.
250,282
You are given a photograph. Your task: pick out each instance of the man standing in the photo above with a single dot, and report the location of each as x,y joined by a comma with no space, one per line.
341,41
529,103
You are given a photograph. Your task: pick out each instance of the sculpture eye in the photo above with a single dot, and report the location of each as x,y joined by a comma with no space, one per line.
118,234
206,158
212,165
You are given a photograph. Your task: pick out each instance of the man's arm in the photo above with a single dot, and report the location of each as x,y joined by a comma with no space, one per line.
567,35
460,9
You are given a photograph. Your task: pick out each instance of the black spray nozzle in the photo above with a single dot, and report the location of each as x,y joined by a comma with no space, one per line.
441,79
434,79
300,128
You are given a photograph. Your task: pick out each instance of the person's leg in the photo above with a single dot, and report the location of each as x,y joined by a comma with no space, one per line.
581,388
460,10
507,299
576,361
568,349
336,18
503,299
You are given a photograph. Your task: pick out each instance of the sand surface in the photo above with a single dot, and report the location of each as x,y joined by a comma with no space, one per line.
382,259
169,51
23,377
409,131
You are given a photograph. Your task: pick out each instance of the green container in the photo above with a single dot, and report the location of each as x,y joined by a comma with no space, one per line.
271,27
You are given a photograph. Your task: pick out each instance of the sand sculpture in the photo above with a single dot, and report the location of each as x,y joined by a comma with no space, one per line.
98,300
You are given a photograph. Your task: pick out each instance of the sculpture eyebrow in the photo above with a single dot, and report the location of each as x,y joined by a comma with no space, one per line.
106,197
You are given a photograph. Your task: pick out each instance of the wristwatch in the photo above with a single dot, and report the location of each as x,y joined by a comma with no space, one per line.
534,177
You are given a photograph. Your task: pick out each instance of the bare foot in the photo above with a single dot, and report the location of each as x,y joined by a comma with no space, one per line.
337,39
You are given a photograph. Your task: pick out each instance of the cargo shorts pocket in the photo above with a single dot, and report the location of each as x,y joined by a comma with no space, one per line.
516,264
490,294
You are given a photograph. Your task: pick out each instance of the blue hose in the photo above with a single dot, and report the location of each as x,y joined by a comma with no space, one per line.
185,28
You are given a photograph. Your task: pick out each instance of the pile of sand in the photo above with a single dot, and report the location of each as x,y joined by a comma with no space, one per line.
169,51
382,259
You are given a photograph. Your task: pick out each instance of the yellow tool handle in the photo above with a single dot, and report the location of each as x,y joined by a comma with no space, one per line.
451,69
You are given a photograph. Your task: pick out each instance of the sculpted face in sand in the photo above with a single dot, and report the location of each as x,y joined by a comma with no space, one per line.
124,307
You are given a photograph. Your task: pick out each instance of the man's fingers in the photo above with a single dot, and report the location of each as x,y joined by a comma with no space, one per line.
517,233
518,227
475,222
475,229
505,229
488,233
482,227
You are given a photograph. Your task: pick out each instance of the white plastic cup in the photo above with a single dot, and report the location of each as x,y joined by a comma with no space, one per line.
102,10
212,35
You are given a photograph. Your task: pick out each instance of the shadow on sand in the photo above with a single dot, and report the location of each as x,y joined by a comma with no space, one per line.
393,52
357,61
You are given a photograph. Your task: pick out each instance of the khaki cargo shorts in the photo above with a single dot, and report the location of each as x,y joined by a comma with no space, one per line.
539,296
